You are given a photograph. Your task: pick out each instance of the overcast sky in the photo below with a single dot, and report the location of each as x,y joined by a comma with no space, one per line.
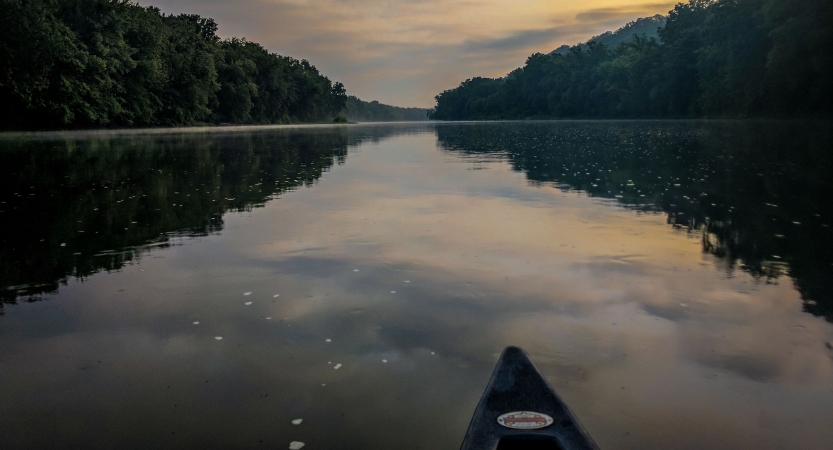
403,52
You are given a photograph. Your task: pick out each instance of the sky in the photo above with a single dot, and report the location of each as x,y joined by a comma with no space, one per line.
404,52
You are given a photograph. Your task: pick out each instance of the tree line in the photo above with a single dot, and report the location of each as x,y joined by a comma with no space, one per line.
713,58
113,63
361,111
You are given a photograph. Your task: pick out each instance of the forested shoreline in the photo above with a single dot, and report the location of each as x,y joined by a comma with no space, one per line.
713,58
113,63
358,110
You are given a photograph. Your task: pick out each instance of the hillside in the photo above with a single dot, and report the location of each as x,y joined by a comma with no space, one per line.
645,26
357,110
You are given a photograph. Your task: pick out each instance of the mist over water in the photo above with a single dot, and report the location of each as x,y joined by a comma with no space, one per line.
671,280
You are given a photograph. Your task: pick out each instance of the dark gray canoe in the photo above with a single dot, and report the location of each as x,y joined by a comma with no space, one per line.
518,387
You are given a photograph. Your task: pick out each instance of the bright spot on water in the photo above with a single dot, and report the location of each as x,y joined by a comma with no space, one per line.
329,340
247,293
393,292
296,445
355,270
196,323
297,421
337,366
384,360
64,245
247,303
219,338
268,318
276,295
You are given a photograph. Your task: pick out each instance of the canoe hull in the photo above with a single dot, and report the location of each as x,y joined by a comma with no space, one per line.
517,386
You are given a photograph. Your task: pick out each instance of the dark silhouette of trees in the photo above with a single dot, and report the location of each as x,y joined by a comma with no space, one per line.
108,63
712,58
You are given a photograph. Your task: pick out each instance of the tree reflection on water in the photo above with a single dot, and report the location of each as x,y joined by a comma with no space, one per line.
73,207
756,193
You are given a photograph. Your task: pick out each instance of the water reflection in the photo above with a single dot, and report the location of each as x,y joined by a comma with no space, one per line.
758,193
405,253
78,204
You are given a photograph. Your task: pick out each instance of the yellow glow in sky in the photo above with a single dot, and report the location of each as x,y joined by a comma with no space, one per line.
403,52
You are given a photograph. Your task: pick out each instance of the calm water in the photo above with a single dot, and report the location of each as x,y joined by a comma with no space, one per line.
671,279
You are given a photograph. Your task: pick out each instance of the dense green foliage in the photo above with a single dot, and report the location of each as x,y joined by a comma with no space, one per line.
357,110
714,58
94,63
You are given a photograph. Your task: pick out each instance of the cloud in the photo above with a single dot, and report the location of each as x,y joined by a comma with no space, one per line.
620,12
520,40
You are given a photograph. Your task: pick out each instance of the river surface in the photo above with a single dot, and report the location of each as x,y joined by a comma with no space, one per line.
204,288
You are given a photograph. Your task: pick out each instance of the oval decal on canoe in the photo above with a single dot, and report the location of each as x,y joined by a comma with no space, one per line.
524,420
